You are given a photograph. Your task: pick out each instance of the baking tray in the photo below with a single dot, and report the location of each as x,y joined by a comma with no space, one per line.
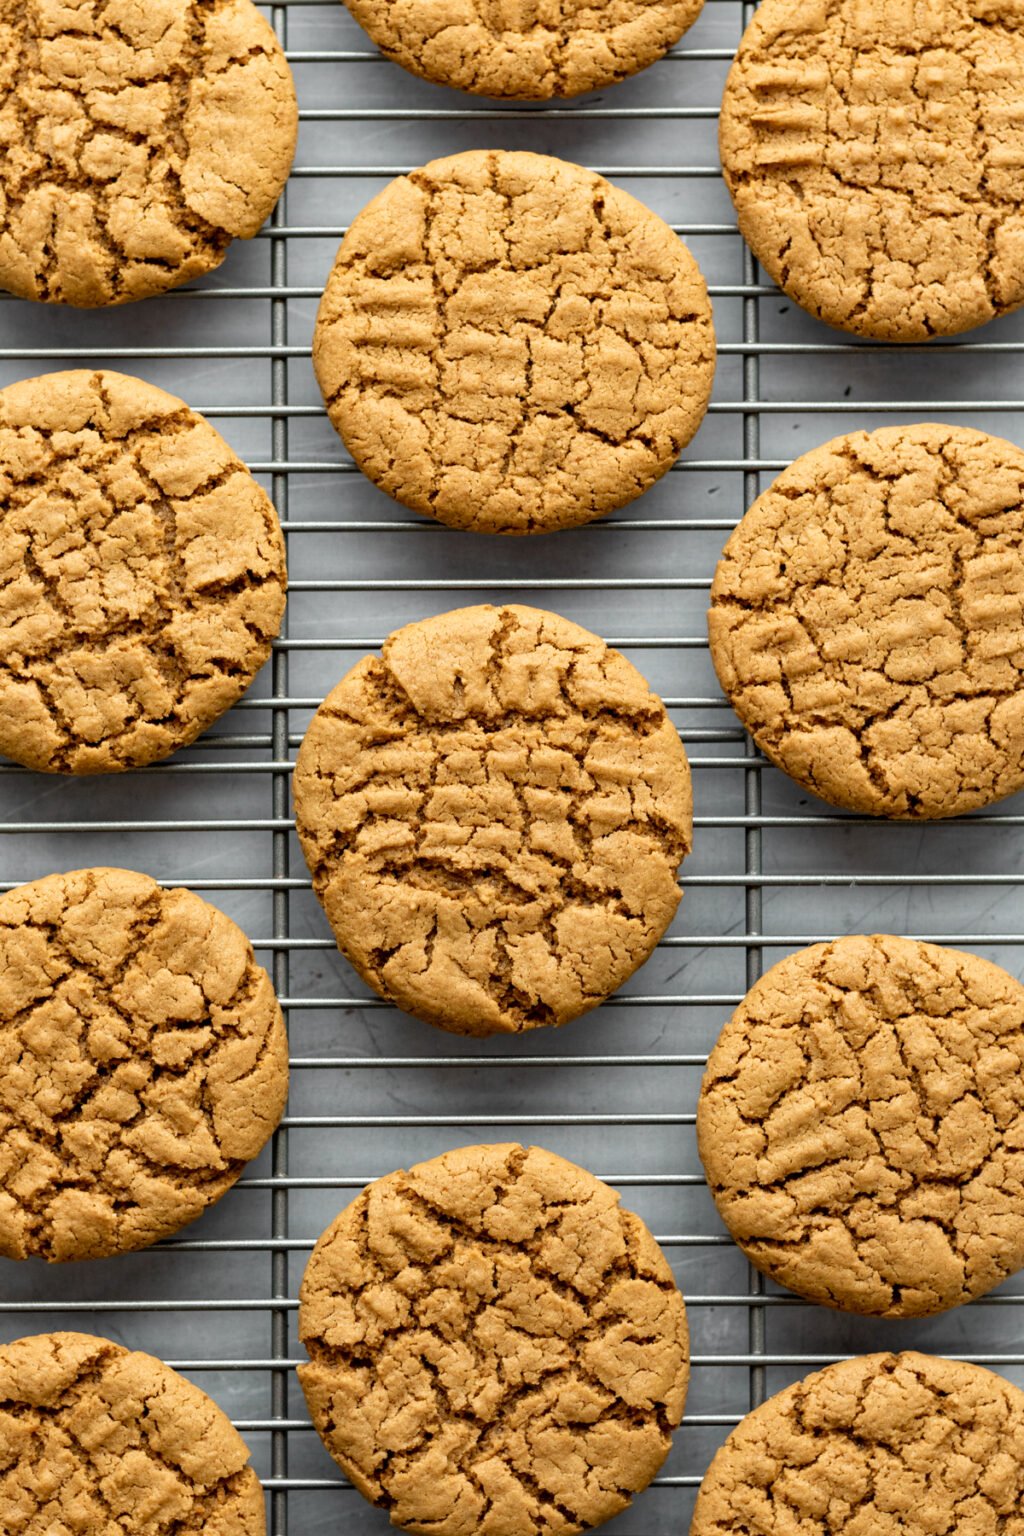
772,868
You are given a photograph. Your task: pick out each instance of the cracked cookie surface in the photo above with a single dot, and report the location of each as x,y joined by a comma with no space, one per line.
142,573
100,1439
510,344
496,1347
494,814
874,153
143,1062
527,53
137,139
866,621
861,1124
882,1445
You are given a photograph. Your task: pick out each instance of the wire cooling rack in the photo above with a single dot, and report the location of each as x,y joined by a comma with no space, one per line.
772,868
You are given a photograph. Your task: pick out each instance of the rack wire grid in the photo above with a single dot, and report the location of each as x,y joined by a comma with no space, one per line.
772,868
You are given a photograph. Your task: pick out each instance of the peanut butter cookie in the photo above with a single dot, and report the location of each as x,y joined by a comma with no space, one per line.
100,1439
143,1061
496,1347
861,1124
874,153
137,139
510,344
883,1445
526,52
494,814
866,621
143,573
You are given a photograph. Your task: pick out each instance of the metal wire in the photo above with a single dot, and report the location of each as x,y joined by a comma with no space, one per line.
770,870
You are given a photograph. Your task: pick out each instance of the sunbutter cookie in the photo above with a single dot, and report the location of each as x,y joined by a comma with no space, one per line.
136,141
874,153
143,1061
143,573
510,344
494,814
496,1348
883,1445
529,53
861,1124
100,1439
866,621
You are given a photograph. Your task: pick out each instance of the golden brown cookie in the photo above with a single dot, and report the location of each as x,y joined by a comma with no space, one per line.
143,573
874,153
136,141
861,1124
882,1445
143,1061
510,344
528,53
494,813
105,1441
496,1348
866,621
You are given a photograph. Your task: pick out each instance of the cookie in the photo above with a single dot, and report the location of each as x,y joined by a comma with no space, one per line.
861,1125
494,813
495,1346
510,344
891,1445
143,573
101,1439
866,621
525,53
874,153
136,142
143,1062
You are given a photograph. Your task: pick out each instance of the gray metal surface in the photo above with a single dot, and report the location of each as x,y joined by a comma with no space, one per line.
772,869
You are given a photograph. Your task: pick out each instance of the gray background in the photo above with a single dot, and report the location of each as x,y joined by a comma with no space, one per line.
772,869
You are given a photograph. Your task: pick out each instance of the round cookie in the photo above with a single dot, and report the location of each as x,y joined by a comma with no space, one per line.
495,1346
861,1125
865,621
136,141
101,1439
494,813
526,53
143,1062
874,154
510,344
143,573
891,1445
